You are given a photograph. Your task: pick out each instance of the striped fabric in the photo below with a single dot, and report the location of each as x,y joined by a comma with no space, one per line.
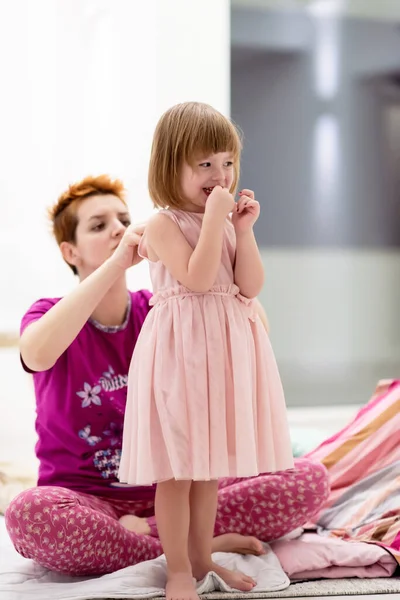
363,461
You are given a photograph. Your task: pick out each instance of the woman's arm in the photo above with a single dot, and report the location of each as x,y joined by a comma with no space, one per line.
43,342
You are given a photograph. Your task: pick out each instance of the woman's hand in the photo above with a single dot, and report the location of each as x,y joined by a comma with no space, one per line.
126,254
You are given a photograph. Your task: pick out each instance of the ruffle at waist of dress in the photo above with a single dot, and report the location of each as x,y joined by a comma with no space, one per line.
180,291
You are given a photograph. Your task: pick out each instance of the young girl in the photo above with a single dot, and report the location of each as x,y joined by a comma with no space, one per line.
205,399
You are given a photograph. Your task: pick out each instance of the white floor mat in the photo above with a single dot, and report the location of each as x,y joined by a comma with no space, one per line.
22,579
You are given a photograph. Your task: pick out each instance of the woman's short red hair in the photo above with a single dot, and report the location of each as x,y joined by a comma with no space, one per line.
63,214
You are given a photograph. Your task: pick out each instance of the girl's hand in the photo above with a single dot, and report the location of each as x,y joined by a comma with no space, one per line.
220,203
126,254
246,213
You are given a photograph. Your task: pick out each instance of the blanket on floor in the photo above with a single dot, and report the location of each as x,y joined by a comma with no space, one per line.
21,578
363,461
312,556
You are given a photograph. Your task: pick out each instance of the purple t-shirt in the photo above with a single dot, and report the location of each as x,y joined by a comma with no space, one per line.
80,405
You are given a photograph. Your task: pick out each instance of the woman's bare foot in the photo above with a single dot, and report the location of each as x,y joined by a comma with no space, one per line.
235,579
180,586
135,524
235,542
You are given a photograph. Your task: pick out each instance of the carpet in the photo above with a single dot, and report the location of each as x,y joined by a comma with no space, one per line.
325,587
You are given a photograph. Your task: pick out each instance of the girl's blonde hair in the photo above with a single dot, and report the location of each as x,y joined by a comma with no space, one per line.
184,133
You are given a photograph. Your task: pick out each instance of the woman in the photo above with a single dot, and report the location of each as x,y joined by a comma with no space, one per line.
79,520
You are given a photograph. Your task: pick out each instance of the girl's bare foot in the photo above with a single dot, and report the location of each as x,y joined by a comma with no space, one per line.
180,586
235,542
235,579
135,524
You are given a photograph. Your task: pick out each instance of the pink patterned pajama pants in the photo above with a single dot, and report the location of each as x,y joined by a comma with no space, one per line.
79,534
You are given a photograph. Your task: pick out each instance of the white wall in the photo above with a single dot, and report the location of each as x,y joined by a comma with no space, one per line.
334,321
17,423
83,84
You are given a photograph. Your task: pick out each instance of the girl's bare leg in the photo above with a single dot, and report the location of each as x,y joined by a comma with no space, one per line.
203,508
173,516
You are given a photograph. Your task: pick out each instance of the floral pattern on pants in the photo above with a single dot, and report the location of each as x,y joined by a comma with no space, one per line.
79,534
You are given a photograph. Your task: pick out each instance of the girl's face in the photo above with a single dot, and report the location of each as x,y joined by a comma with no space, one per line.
198,180
102,220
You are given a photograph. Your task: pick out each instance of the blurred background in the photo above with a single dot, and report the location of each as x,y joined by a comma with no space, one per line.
315,87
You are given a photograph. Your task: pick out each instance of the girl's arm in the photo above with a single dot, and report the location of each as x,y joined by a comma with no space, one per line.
249,269
195,269
43,342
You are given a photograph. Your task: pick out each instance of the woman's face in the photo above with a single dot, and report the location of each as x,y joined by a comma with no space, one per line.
102,220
